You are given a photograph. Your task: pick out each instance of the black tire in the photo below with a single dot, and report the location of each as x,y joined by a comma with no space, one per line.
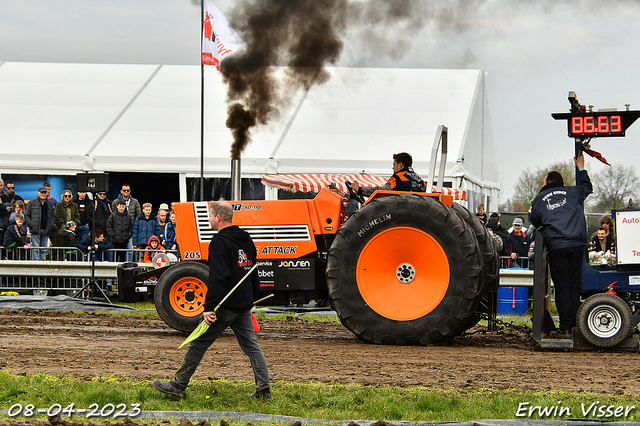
604,320
491,262
457,253
487,246
180,293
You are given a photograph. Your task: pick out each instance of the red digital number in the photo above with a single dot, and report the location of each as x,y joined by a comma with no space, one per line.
598,124
576,125
616,124
589,125
603,124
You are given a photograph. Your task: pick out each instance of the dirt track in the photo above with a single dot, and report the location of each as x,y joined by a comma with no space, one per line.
296,350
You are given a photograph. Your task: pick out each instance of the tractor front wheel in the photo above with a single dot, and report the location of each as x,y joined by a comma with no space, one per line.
180,294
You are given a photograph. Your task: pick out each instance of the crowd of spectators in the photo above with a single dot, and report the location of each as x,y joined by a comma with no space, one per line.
516,245
76,227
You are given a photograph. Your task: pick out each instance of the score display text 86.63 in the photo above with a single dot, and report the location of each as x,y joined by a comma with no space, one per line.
600,124
595,125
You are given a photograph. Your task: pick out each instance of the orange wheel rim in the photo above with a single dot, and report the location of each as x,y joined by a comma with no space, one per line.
187,296
402,273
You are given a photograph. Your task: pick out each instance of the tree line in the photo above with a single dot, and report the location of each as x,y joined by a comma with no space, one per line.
613,188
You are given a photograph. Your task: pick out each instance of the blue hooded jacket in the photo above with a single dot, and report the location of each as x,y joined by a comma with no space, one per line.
559,210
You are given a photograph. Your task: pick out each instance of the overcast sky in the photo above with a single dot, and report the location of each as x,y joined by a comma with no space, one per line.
533,53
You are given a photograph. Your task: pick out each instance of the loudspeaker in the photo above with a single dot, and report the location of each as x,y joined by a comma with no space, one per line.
93,182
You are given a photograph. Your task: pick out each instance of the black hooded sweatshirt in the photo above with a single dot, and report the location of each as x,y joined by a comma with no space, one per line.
231,255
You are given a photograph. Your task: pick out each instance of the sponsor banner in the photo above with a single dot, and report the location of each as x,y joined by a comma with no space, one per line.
287,275
627,230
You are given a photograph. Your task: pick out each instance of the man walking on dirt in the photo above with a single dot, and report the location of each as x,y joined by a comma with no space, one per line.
559,210
231,255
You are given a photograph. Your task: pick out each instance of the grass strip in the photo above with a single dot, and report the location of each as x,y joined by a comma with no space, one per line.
318,400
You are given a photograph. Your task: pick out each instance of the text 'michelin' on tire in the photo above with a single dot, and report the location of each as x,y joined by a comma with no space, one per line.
404,270
180,295
604,319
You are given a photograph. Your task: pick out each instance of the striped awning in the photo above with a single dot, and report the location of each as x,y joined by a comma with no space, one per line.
315,182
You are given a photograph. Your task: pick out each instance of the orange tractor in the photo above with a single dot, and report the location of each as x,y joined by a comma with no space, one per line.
406,268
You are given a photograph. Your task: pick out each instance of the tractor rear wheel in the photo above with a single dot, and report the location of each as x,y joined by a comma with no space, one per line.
604,319
180,294
491,261
404,270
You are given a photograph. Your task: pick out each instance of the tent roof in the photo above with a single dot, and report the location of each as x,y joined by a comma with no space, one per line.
146,118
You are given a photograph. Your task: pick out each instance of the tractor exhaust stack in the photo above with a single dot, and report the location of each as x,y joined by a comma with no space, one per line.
235,179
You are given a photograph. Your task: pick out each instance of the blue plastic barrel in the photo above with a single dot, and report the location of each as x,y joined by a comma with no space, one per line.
513,300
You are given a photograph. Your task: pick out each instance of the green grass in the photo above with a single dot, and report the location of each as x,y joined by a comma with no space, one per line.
308,400
142,306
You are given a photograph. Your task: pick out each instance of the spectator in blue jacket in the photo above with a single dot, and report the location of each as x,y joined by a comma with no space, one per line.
101,245
170,232
144,227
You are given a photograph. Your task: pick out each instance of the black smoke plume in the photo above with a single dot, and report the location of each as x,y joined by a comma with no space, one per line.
301,35
306,35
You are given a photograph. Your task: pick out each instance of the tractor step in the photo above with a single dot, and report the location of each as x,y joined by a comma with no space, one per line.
579,343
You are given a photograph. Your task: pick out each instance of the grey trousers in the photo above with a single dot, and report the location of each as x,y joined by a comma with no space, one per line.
242,327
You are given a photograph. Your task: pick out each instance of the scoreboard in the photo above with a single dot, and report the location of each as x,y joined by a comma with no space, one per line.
583,124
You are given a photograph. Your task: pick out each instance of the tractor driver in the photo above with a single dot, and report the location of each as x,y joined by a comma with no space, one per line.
403,179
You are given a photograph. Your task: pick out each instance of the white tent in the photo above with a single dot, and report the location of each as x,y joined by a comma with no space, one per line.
68,118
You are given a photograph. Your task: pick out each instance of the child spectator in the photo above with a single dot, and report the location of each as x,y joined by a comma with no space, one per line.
71,240
153,248
120,229
18,208
145,226
100,246
482,215
12,238
170,232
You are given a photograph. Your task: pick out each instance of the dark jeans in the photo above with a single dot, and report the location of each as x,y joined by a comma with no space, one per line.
242,327
566,273
121,255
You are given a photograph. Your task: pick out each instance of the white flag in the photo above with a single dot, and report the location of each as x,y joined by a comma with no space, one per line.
219,40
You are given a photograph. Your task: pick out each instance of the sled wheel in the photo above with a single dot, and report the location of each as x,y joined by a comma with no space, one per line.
180,295
604,319
404,270
485,241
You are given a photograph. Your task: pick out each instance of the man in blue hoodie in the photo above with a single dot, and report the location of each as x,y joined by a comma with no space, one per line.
231,255
559,210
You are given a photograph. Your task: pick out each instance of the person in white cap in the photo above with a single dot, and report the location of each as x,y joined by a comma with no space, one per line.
518,243
161,217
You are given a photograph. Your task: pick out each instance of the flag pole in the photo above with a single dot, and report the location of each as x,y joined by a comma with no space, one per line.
201,103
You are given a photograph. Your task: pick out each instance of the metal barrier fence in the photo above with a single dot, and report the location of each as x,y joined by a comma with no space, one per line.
506,262
61,254
64,270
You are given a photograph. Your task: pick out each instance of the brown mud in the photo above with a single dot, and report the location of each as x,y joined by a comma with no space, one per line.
86,344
